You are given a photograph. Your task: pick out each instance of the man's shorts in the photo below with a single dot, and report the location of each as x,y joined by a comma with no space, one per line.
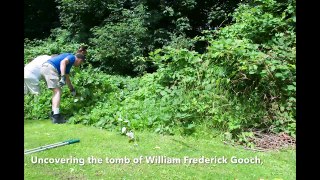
31,85
50,74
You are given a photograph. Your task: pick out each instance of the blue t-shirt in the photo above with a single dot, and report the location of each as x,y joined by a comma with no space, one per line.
55,61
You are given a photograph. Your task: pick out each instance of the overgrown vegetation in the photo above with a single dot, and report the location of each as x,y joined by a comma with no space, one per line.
243,80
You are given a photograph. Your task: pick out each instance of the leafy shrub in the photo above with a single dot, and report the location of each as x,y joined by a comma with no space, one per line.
117,43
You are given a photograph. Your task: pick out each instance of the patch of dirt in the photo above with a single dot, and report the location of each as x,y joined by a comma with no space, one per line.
268,141
273,141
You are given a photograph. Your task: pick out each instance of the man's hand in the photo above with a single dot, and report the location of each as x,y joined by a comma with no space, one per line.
62,81
73,92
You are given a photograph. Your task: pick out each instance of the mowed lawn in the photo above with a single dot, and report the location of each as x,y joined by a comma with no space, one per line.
102,154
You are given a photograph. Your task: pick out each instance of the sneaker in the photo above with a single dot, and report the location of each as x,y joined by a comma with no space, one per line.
58,119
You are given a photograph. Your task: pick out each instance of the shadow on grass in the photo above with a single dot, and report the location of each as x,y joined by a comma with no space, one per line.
184,144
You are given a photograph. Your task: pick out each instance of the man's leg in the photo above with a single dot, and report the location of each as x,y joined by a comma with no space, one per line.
56,100
31,85
52,78
25,88
56,117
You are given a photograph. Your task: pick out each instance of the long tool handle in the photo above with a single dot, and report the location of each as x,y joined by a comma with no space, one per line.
43,147
72,141
50,146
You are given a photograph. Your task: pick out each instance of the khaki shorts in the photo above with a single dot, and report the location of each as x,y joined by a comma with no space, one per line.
31,85
50,74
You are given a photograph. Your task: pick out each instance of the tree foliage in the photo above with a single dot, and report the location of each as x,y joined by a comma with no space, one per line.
39,18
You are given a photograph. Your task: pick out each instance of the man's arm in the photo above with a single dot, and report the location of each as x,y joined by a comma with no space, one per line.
63,66
68,81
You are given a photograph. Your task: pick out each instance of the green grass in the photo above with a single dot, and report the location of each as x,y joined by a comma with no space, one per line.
99,143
